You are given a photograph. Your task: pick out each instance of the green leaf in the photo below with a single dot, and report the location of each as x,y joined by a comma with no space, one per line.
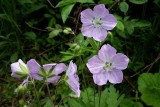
120,26
85,1
30,35
124,7
129,103
65,2
14,57
142,23
138,1
76,103
66,11
54,33
149,86
48,103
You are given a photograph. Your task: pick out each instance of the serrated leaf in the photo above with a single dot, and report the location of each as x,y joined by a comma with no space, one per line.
66,11
76,103
129,103
65,2
124,7
138,1
149,86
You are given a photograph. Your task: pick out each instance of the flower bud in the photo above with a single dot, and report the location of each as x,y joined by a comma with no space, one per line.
67,31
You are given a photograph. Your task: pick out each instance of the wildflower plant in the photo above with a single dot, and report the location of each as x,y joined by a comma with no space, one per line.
106,66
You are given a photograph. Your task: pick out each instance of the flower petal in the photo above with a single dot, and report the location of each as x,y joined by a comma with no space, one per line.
87,16
33,66
53,79
109,22
106,53
87,30
47,67
36,76
71,69
100,78
15,75
59,68
22,63
74,85
95,65
99,34
115,76
15,67
100,11
120,61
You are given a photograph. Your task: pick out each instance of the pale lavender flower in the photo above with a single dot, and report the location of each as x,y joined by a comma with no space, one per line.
73,79
38,74
19,69
107,65
97,22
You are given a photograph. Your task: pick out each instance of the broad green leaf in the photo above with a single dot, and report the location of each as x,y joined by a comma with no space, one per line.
65,2
120,26
129,103
49,103
124,7
138,1
66,11
149,86
14,57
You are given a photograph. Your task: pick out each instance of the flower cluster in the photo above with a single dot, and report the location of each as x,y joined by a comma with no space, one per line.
106,66
49,73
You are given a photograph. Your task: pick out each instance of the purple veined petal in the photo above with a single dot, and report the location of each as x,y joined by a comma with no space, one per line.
100,11
87,30
33,66
109,22
99,34
106,53
115,76
95,65
71,69
87,16
120,61
100,78
47,67
59,68
15,67
36,76
74,85
53,79
15,75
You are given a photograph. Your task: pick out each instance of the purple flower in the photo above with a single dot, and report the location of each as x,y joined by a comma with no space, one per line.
73,79
19,69
47,72
107,65
96,23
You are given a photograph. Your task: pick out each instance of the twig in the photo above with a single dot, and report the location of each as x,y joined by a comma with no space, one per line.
130,83
148,66
36,28
113,4
50,4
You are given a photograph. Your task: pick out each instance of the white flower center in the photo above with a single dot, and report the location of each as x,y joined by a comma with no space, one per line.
97,22
108,67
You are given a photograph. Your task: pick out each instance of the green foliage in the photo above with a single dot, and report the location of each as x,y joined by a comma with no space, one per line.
124,7
149,86
138,1
130,103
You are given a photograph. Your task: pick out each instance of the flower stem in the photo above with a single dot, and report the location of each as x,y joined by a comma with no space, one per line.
48,91
99,94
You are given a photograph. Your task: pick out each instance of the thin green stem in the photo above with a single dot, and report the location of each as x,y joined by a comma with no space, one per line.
99,94
48,91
